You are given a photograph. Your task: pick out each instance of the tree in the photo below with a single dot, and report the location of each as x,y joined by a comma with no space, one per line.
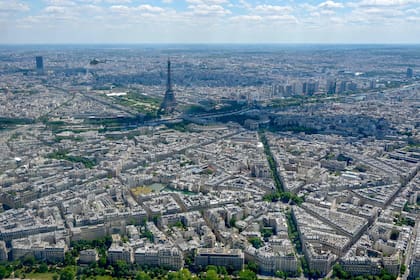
316,274
256,242
266,232
385,275
185,274
121,269
211,267
143,276
29,260
403,268
3,272
156,218
280,274
339,272
247,274
149,235
43,267
67,273
222,270
102,261
69,259
211,275
232,222
174,276
252,266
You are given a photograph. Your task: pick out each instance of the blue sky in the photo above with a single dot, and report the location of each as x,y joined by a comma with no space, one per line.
209,21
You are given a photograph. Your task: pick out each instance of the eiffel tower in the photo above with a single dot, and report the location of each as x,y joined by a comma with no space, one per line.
169,102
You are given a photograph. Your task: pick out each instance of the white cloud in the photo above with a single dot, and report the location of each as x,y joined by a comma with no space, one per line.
331,5
120,9
60,2
267,14
55,10
160,20
91,9
308,7
89,1
283,18
150,9
145,8
270,9
266,19
208,2
118,2
13,6
412,18
209,10
413,11
383,12
246,18
383,3
245,4
327,12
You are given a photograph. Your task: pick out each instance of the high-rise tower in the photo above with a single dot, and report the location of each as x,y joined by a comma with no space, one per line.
331,86
169,102
39,64
410,73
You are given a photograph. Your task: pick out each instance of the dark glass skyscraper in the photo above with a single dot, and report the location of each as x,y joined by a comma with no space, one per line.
39,63
410,73
331,86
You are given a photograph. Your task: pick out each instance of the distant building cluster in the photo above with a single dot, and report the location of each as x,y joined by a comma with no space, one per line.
289,161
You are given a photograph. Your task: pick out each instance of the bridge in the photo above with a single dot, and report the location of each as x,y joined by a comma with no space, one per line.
196,118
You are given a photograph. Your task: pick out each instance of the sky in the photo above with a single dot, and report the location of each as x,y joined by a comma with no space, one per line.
209,21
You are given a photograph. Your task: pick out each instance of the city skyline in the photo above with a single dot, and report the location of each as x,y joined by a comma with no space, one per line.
288,161
209,21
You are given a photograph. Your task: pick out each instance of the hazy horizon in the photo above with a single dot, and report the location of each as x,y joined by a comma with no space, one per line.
211,44
209,22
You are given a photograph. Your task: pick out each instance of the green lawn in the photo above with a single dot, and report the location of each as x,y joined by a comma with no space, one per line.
49,276
40,276
140,102
102,278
